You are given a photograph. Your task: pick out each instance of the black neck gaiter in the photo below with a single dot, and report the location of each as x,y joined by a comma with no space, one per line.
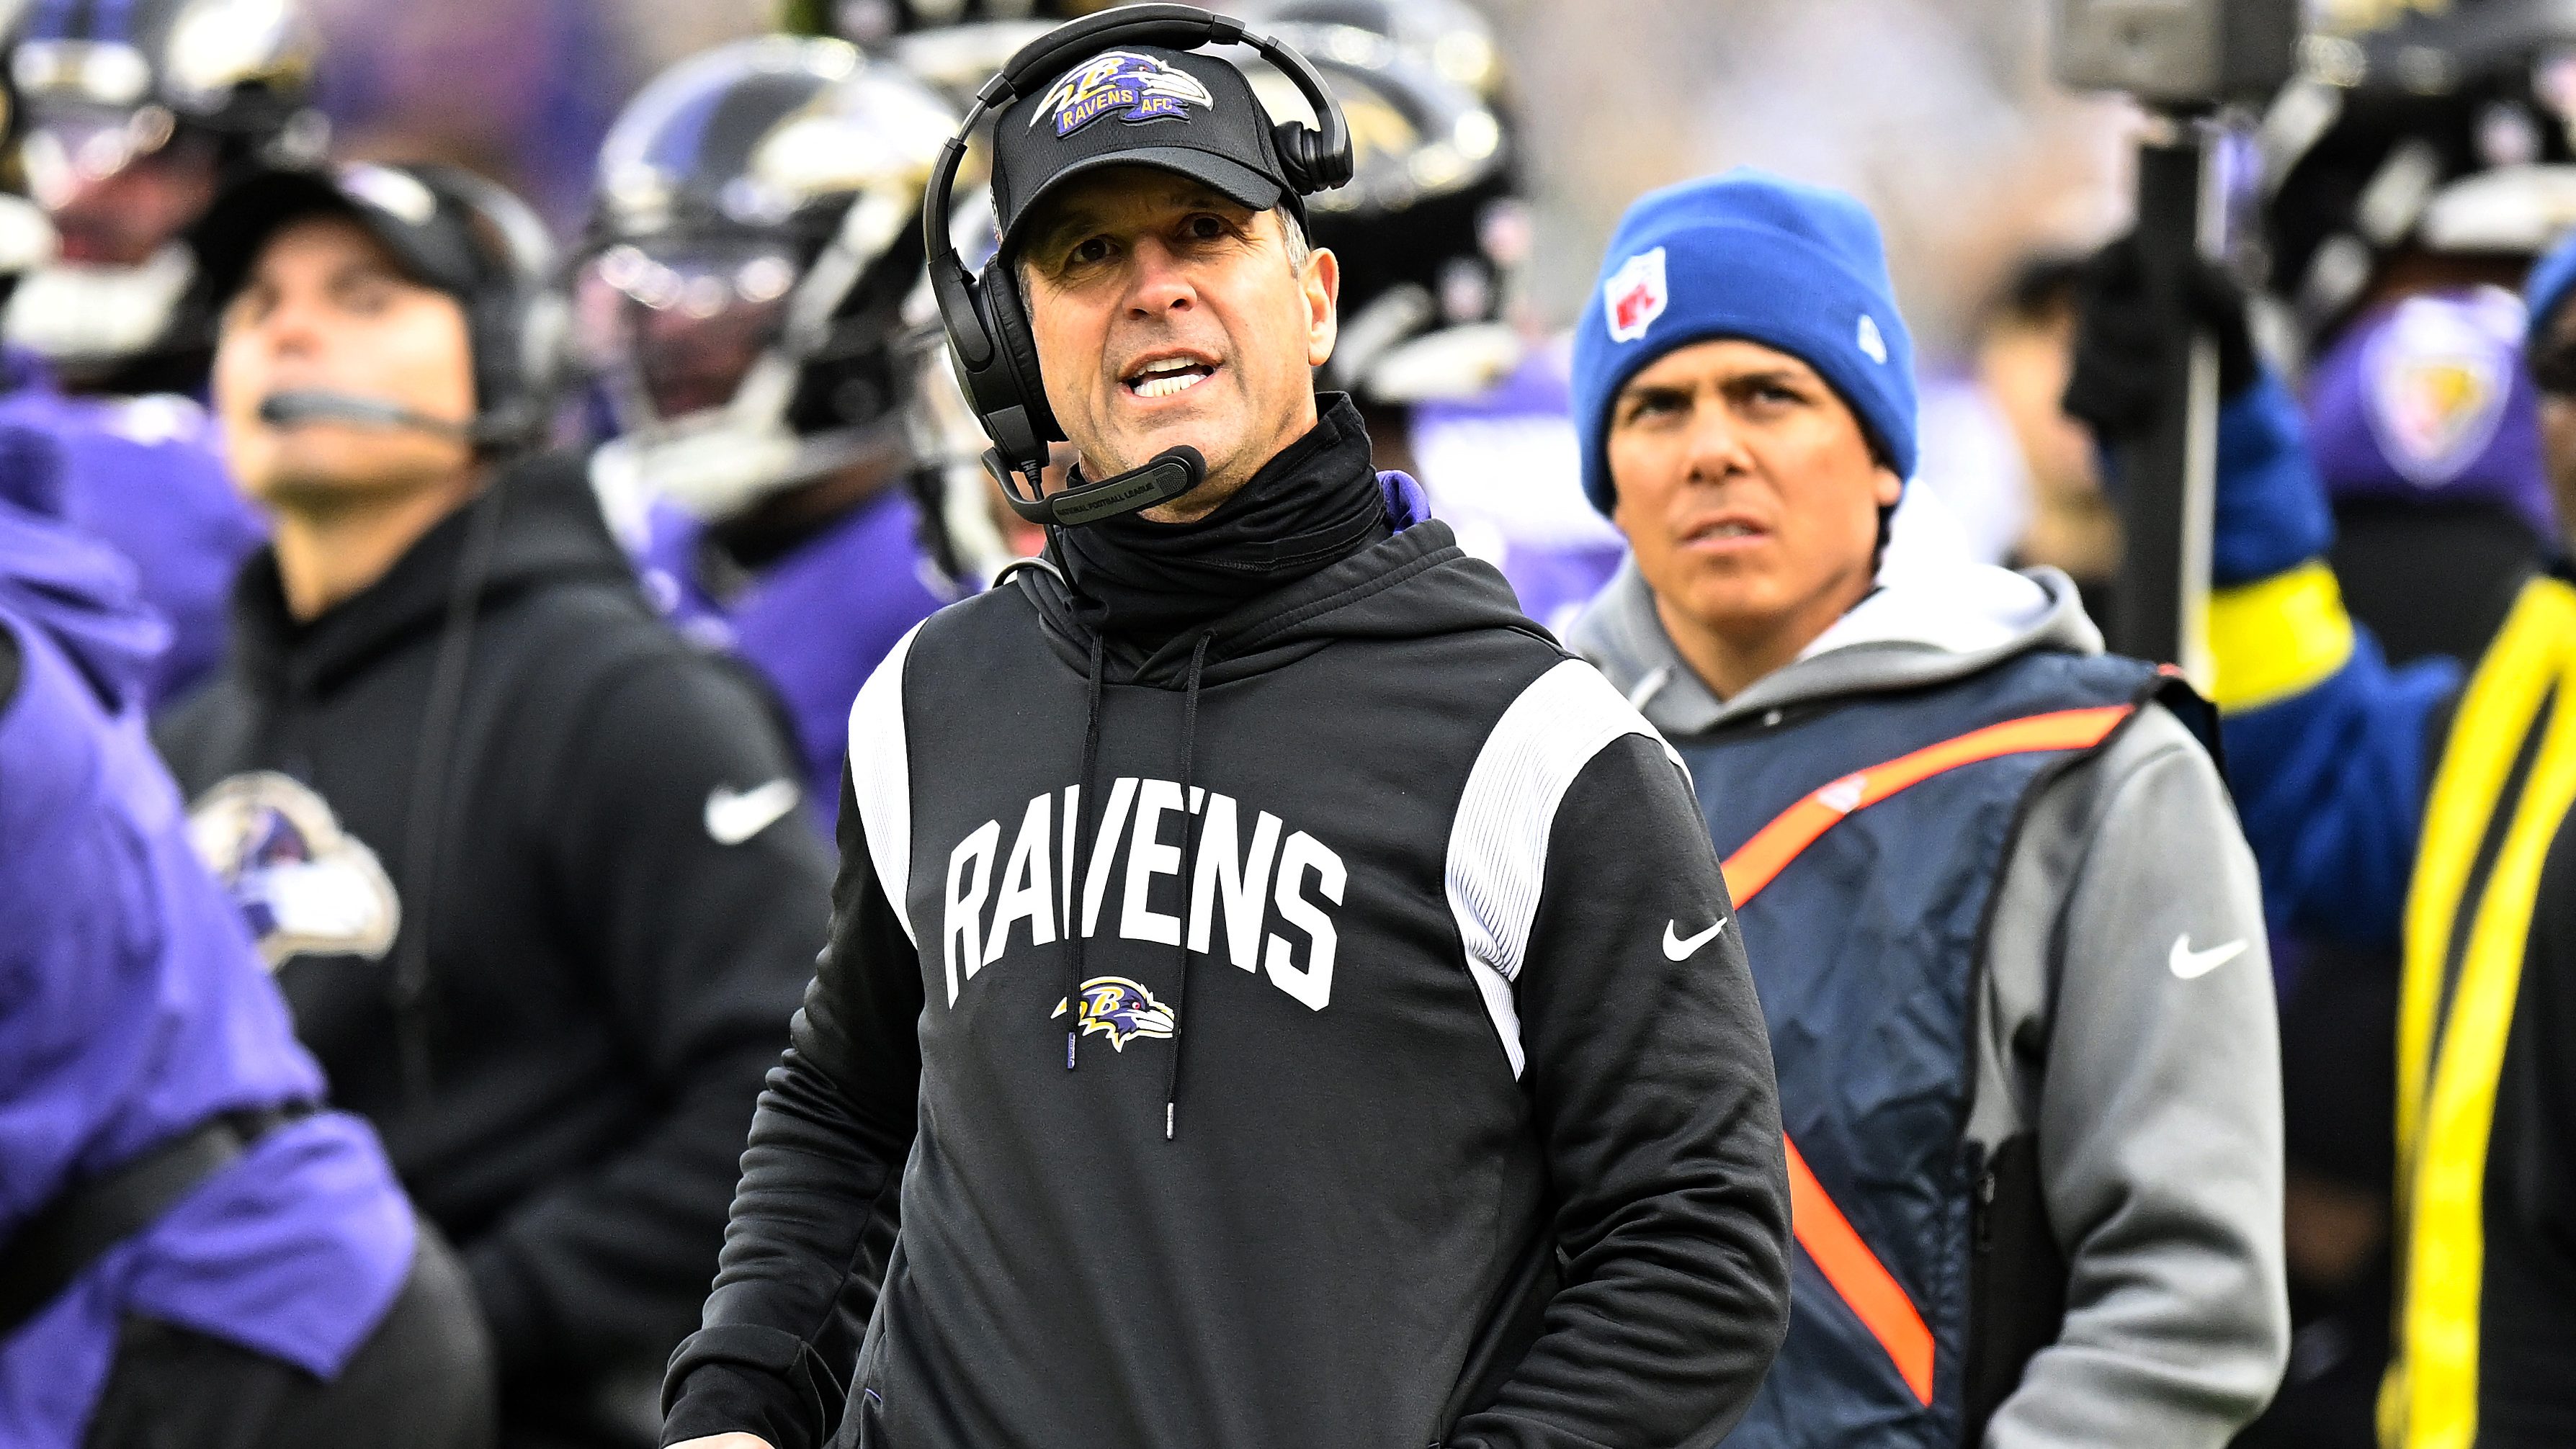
1310,507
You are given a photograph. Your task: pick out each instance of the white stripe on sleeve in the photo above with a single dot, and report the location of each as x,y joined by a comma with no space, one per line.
1498,843
881,776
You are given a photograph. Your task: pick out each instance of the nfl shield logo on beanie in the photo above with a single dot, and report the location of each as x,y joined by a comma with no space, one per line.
1635,296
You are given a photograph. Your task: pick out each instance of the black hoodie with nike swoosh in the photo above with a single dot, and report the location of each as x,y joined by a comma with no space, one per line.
1304,1020
625,905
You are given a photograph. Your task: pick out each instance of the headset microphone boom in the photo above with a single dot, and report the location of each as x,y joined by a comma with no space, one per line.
295,407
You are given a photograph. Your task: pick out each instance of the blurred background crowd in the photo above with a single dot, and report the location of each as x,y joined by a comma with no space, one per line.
1941,116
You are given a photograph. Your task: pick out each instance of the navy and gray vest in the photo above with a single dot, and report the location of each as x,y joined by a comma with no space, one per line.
1865,838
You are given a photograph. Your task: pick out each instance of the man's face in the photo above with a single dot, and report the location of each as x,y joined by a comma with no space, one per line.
1746,489
326,307
690,365
2558,426
1166,314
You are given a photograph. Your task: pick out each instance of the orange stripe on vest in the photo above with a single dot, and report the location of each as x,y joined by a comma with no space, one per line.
1762,858
1863,1282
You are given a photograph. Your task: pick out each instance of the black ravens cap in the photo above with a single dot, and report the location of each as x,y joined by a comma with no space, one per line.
430,233
1141,105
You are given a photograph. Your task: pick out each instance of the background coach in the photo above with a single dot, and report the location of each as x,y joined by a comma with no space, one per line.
528,866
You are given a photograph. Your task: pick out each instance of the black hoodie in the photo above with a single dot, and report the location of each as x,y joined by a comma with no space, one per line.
1402,1088
623,911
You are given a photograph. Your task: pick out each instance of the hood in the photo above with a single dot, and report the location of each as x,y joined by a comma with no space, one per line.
550,530
1246,589
82,596
1928,622
1417,584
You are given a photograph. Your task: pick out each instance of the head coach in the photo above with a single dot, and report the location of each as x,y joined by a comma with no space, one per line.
1281,997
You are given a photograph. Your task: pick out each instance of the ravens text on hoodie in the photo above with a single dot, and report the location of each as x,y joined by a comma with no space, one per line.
1311,1019
620,900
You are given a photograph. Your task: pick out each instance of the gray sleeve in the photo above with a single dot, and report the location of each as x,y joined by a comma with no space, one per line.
2131,1021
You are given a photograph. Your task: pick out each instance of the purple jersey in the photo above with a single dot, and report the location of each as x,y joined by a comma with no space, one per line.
814,623
1502,471
132,1008
146,475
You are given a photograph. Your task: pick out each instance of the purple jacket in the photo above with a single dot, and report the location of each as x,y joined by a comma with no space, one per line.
1501,471
133,1007
146,476
815,623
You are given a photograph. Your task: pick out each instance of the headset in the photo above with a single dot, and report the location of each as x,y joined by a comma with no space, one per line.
517,325
522,321
989,339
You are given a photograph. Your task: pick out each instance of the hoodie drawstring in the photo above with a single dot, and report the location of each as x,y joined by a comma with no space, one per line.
1189,874
441,716
1073,926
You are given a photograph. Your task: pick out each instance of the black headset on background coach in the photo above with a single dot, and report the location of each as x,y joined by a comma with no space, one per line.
989,338
448,228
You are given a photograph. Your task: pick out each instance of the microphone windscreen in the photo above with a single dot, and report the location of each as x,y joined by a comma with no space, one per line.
312,405
1190,459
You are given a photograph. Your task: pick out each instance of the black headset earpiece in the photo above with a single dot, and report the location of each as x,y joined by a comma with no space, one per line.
990,342
1293,142
521,328
1017,343
1007,392
1314,159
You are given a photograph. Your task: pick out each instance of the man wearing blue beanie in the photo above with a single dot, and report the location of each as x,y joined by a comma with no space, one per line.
2003,921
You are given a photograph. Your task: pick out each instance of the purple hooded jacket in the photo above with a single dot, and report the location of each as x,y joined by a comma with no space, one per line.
815,623
146,477
132,1008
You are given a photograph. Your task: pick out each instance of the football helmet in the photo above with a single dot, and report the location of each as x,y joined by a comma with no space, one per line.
2450,133
133,117
1431,231
742,291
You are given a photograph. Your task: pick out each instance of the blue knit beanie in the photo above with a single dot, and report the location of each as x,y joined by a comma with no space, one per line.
1749,255
2552,277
